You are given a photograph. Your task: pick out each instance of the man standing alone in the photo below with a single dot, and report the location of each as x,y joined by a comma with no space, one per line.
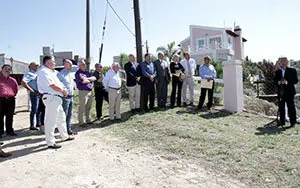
8,92
29,82
67,79
189,65
53,91
133,75
286,78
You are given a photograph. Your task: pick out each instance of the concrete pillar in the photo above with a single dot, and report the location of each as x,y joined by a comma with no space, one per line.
233,86
238,44
233,77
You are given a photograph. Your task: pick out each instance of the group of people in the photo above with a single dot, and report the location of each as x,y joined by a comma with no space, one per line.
150,76
52,92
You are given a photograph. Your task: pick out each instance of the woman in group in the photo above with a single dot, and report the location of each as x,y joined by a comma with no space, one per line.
176,71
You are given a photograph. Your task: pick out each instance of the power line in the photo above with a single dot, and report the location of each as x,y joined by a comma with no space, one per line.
120,18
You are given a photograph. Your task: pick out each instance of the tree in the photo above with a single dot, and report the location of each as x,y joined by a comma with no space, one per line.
169,50
268,69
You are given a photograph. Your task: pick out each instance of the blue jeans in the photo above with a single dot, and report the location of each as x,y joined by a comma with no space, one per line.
34,100
68,107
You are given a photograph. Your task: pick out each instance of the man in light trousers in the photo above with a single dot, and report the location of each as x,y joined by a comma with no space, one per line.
133,75
113,82
53,91
189,65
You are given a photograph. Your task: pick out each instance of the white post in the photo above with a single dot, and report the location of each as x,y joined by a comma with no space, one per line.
233,86
233,77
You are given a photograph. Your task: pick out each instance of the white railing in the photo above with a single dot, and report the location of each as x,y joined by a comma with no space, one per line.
217,80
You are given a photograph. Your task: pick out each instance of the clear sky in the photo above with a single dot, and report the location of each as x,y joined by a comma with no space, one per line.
271,26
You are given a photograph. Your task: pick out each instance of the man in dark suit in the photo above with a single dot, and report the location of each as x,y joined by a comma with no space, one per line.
133,74
148,80
162,80
286,78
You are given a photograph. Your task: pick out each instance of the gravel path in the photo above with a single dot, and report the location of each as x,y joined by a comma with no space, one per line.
95,159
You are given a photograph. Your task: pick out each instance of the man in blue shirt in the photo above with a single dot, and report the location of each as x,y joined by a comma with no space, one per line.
148,81
29,82
207,71
66,77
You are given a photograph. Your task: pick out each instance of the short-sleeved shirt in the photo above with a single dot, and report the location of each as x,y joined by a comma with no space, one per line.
67,79
79,84
8,86
30,79
47,77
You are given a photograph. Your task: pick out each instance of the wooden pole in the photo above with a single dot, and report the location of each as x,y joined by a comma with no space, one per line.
88,56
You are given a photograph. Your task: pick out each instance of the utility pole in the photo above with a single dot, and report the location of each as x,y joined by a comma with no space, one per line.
138,34
138,41
88,56
147,47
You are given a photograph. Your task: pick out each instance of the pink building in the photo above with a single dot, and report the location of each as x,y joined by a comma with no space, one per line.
213,41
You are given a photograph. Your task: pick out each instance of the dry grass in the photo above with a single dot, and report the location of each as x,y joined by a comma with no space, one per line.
240,145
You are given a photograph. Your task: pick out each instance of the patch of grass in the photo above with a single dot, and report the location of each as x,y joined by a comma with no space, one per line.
238,145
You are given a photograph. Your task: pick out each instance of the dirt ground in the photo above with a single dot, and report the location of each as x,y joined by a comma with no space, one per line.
95,159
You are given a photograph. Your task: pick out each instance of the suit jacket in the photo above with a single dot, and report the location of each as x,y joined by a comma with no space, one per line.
290,76
161,73
132,74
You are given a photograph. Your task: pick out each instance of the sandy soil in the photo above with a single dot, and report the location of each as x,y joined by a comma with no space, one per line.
95,159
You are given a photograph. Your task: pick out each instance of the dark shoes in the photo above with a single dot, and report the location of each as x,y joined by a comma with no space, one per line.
12,134
292,125
3,154
69,139
72,133
33,129
184,104
55,146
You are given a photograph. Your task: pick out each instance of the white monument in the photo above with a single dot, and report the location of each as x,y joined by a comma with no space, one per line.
233,76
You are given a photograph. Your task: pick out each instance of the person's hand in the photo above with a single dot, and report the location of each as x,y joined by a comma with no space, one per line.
65,92
99,80
138,79
209,79
36,93
156,81
152,78
284,82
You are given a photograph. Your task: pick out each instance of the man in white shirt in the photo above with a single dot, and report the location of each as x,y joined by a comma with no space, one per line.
112,82
53,91
189,65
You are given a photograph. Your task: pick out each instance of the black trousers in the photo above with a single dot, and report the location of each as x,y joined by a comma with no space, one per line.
41,112
289,100
7,109
203,95
99,95
148,93
176,84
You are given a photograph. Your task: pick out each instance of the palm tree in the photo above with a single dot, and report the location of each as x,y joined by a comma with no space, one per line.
170,50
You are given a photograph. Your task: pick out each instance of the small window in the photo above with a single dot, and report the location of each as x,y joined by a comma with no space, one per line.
201,43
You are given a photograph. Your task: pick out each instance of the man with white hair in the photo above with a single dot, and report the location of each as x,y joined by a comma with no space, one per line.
113,82
84,82
189,65
66,77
